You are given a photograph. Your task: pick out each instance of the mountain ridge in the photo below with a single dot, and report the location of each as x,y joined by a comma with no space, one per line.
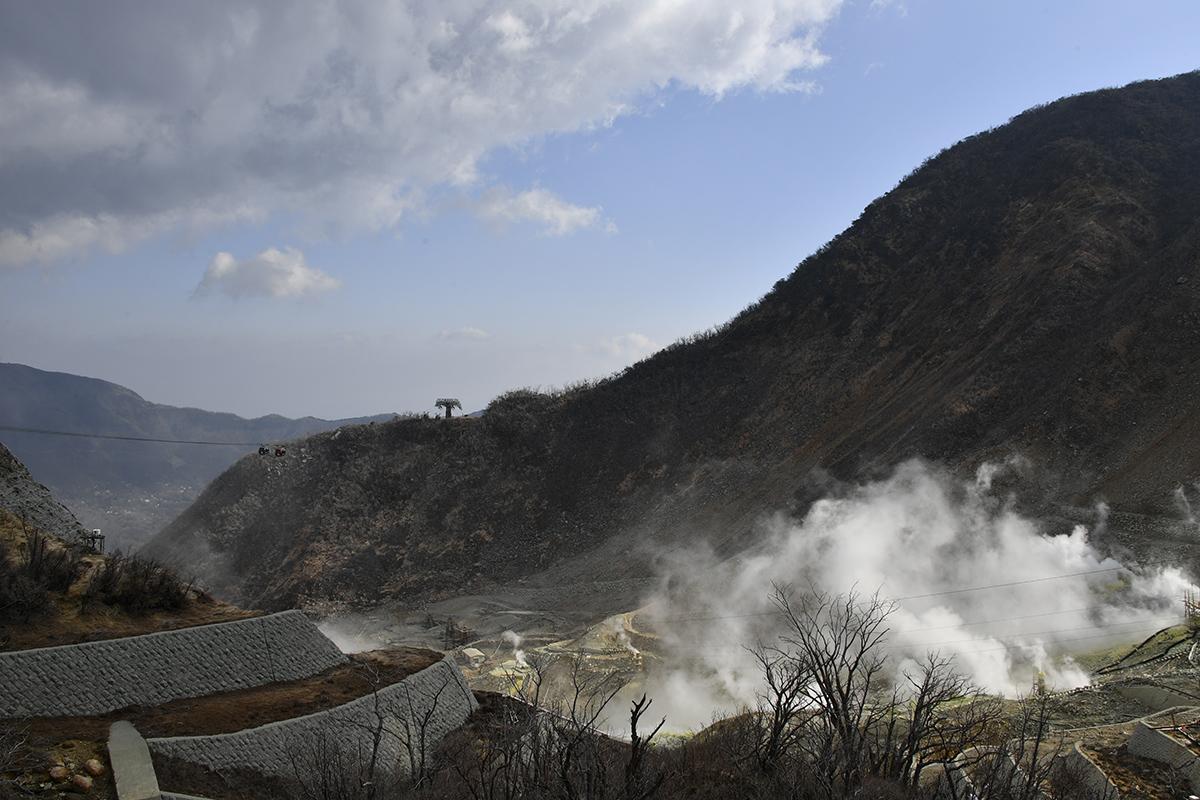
1031,291
130,489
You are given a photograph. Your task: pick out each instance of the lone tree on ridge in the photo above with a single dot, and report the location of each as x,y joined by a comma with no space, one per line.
448,403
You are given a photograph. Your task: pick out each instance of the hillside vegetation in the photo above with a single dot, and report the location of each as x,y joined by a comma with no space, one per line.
1034,289
55,592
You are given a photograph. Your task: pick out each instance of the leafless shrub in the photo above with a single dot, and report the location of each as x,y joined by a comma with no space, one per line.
137,585
54,568
20,596
387,753
16,758
324,768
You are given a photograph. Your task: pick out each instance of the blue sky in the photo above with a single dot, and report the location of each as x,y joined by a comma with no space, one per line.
712,178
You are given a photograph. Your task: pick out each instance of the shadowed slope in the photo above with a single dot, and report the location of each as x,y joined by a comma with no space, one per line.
1034,289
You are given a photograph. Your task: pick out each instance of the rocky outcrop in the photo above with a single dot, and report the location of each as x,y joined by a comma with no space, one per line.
25,498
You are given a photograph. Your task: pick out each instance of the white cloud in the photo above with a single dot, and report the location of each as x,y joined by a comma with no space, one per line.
465,334
883,5
125,121
556,216
271,273
627,345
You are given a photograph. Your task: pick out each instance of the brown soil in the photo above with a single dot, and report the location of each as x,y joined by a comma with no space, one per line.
1138,778
249,708
69,624
66,621
33,778
183,777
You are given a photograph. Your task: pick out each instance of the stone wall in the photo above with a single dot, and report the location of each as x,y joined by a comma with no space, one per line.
437,695
98,677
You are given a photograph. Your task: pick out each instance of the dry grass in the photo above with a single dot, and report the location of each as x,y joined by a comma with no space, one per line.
67,619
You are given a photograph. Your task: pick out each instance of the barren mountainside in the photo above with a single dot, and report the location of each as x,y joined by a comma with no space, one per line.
1034,289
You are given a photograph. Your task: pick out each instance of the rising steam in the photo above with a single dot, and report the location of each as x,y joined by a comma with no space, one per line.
515,639
919,537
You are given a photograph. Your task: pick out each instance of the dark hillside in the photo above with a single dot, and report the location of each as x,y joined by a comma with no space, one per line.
1034,289
25,499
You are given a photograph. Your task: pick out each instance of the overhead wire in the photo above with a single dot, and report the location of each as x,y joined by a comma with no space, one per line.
1155,624
1007,584
123,438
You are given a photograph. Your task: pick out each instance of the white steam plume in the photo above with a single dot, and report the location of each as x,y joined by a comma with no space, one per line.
616,628
1184,506
514,638
918,537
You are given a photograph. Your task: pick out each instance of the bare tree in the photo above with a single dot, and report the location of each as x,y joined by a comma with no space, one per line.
548,740
836,645
362,762
834,717
920,730
415,733
639,785
776,724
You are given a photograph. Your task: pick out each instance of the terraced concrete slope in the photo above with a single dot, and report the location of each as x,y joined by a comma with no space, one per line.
1034,289
156,668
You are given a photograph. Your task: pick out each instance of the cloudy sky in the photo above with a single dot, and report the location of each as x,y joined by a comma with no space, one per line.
348,208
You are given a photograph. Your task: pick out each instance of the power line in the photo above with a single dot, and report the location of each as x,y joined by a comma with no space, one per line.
1072,639
906,597
892,646
1013,636
1010,583
1009,619
1009,637
983,621
113,436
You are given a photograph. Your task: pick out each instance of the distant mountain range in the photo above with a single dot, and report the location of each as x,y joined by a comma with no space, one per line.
1032,290
129,489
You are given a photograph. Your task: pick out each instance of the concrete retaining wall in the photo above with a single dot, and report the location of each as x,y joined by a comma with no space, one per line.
1155,698
1150,743
282,749
1077,766
98,677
